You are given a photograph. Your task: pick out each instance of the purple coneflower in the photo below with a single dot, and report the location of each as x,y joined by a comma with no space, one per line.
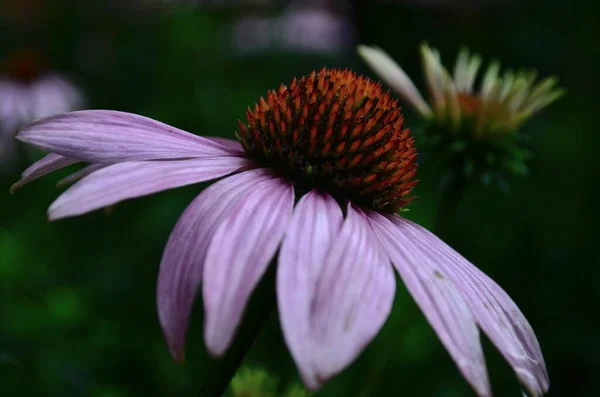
322,169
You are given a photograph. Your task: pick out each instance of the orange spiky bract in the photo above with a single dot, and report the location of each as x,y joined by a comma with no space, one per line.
336,131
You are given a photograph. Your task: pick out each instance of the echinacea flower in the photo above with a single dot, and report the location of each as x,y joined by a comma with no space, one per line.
478,126
322,168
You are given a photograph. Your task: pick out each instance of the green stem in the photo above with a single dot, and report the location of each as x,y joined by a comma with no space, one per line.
257,313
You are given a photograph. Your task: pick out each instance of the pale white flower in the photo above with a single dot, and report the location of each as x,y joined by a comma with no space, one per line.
500,104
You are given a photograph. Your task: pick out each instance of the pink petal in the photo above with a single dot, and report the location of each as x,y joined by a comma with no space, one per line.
77,175
315,224
233,146
182,263
131,179
106,136
238,256
438,297
335,288
353,299
46,165
495,312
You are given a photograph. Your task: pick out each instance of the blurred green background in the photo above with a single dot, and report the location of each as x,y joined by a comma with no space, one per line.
77,297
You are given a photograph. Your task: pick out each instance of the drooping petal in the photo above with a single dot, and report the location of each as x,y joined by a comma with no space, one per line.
131,179
182,263
542,101
394,76
438,296
334,287
314,226
44,166
495,312
507,84
353,297
433,69
542,89
490,79
106,136
520,91
233,146
239,254
474,65
452,99
77,175
461,70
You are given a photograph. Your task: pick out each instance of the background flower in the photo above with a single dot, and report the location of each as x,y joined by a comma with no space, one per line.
319,26
27,92
474,130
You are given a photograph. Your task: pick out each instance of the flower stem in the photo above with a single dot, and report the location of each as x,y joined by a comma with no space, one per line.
258,311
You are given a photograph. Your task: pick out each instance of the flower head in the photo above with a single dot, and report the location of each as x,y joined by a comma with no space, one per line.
476,125
323,165
336,131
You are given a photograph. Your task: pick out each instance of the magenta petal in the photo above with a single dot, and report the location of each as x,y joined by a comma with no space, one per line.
233,146
238,256
335,288
77,175
442,303
314,226
353,298
131,179
182,263
44,166
48,163
495,312
106,136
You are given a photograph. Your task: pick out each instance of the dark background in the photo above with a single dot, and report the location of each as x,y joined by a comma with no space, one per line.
77,297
